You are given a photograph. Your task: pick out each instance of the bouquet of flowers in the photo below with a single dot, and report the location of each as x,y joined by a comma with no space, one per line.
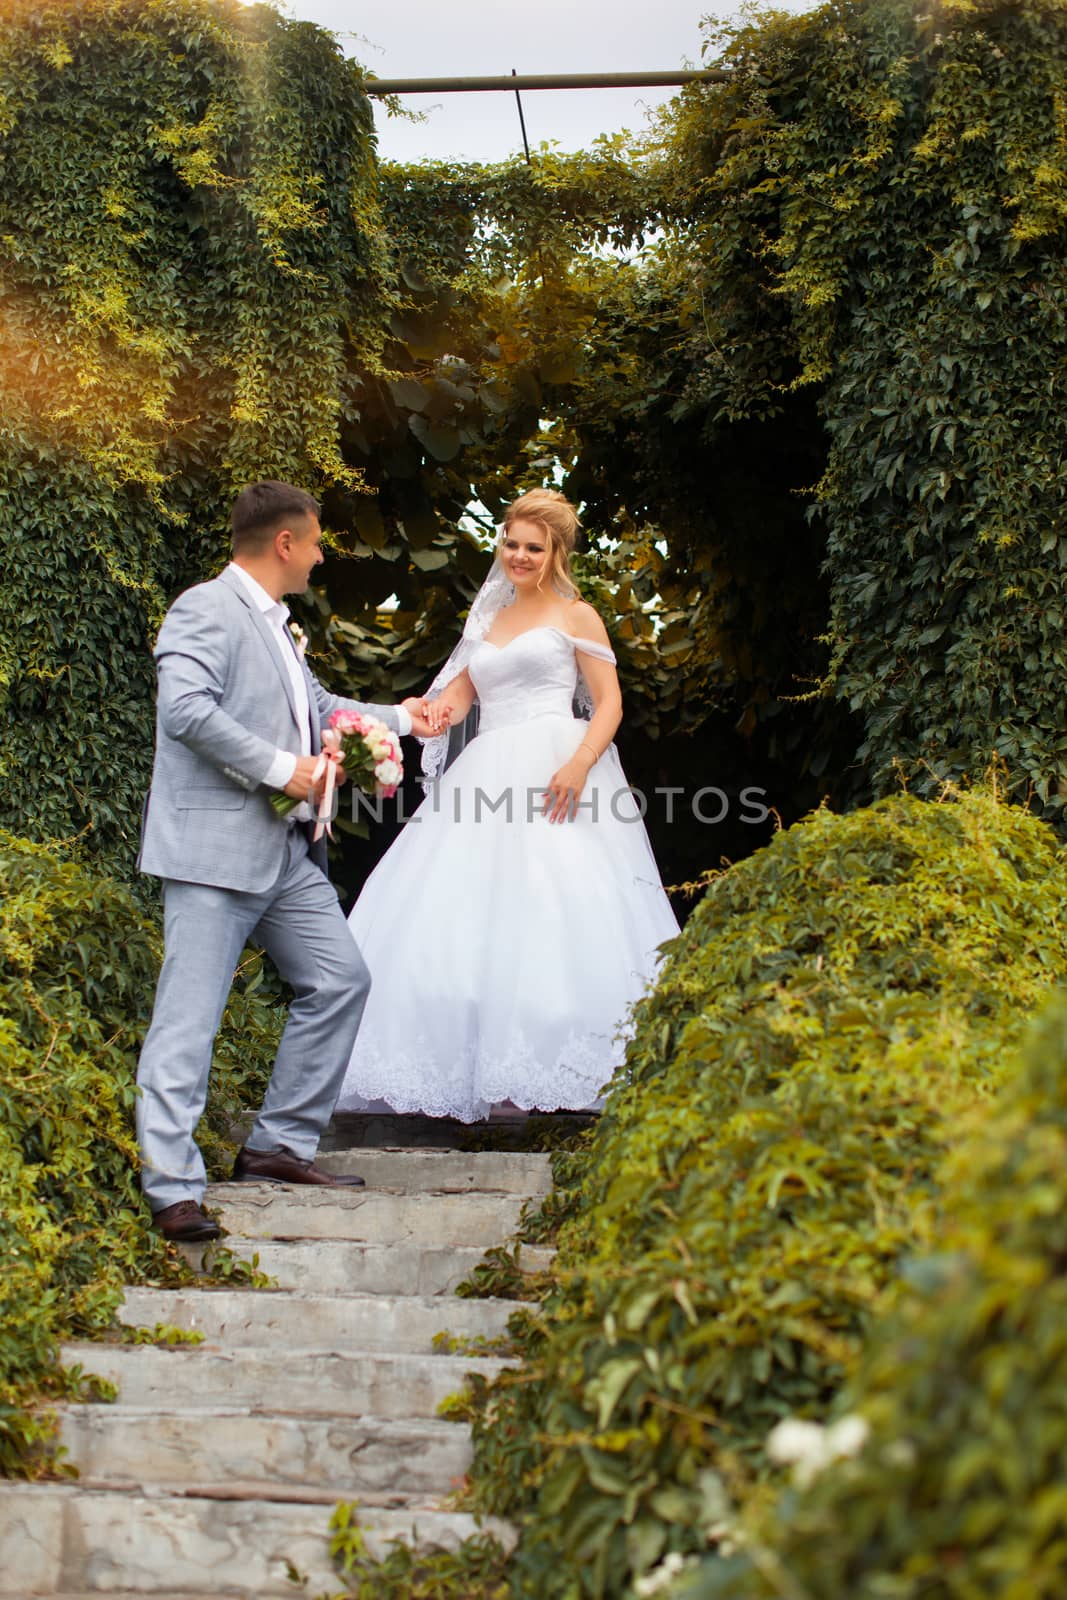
365,749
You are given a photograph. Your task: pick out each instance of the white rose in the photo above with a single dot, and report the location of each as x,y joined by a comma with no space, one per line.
388,774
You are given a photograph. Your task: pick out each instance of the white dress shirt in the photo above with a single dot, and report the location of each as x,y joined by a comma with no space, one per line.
276,612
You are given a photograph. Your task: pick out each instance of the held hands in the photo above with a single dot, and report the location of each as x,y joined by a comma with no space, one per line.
565,787
415,706
428,717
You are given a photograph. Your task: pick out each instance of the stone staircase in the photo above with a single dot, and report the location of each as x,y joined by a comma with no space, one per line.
216,1470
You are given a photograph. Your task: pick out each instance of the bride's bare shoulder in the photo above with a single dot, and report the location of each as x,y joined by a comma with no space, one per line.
584,620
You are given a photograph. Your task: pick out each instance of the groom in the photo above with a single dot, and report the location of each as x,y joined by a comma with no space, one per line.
239,716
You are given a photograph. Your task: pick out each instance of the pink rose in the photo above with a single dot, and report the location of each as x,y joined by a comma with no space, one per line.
348,722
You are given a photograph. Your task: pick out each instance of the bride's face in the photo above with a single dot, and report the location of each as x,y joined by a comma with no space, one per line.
524,552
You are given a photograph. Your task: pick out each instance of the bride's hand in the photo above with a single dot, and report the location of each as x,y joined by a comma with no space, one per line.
565,790
438,713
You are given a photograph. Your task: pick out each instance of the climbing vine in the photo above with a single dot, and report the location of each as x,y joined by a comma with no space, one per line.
878,222
189,246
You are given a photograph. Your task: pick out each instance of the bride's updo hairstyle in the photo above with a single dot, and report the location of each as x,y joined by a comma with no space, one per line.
554,513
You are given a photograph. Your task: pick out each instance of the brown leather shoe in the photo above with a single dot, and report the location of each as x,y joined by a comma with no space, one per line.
184,1222
280,1166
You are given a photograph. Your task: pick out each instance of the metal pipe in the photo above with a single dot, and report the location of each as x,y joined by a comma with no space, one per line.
522,121
566,80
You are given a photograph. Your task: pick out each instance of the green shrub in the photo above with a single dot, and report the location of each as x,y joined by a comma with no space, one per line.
959,1492
834,1006
78,965
476,1571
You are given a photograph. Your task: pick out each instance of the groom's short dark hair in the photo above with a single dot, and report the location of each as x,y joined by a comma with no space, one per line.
263,508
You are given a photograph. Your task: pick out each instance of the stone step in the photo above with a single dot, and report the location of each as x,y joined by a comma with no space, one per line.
202,1447
319,1382
281,1318
446,1171
59,1539
350,1267
274,1211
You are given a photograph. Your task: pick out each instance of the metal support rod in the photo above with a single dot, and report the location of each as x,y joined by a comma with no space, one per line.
565,80
522,121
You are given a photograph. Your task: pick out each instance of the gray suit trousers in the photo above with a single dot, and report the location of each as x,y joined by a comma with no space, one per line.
300,924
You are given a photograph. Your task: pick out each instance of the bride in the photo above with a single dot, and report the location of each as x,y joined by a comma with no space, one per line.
517,916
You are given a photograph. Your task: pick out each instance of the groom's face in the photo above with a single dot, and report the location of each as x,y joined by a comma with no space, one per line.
304,554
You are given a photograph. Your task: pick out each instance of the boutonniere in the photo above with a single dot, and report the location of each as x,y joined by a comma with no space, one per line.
300,639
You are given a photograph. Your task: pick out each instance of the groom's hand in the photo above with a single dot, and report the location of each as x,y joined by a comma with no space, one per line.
303,779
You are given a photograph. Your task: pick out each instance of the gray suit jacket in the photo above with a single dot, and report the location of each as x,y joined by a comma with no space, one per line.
225,707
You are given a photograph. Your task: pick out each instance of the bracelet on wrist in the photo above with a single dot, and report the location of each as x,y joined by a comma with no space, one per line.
585,745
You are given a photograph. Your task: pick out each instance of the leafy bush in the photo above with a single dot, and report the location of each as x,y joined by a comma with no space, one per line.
959,1491
833,1008
78,965
475,1571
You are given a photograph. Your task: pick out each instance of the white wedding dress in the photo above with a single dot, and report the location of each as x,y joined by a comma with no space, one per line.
505,951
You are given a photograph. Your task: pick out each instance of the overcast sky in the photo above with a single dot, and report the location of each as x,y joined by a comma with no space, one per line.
452,38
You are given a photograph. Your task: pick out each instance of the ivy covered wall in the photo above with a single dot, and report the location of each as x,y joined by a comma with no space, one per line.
876,212
189,238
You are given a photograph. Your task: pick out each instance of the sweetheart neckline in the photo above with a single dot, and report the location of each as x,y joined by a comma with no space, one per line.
540,627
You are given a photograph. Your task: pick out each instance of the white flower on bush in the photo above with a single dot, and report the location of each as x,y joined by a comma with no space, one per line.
848,1436
900,1453
794,1440
809,1448
728,1537
659,1580
717,1514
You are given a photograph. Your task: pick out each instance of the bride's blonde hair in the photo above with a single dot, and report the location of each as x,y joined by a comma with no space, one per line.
554,513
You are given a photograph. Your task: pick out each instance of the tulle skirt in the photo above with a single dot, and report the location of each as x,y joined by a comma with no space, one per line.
506,951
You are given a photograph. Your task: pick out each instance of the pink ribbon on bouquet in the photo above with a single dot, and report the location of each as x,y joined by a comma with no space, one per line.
326,766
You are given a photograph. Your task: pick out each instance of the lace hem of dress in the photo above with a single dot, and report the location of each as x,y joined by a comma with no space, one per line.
419,1083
